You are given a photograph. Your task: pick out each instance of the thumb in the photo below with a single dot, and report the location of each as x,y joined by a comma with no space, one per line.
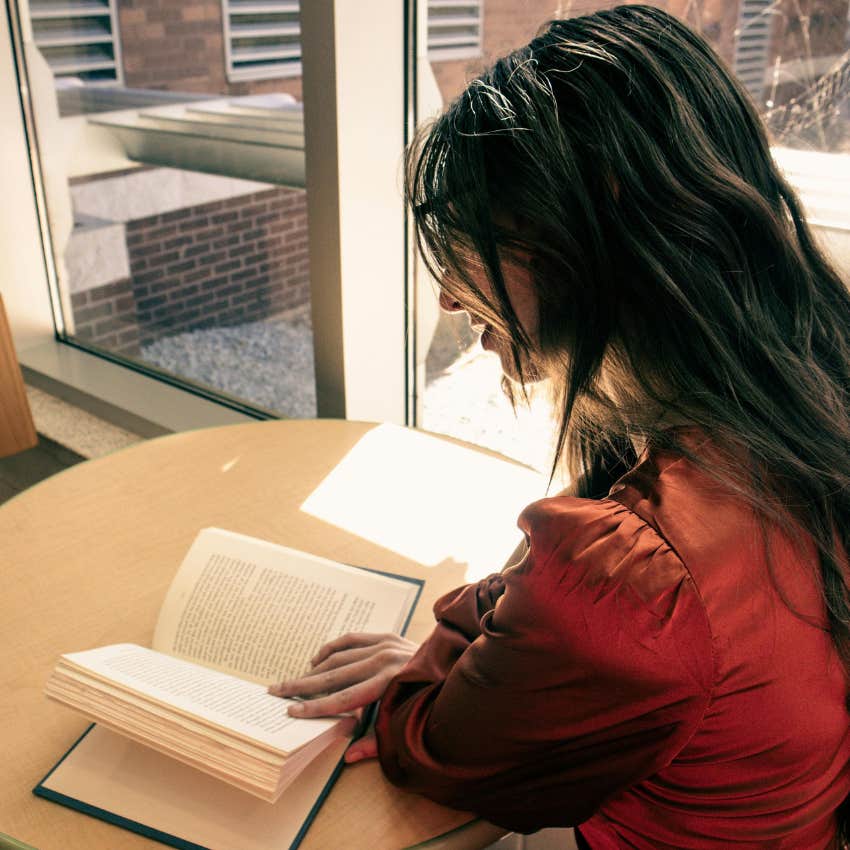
363,748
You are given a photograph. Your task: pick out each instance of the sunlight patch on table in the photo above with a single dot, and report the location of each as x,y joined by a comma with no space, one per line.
427,499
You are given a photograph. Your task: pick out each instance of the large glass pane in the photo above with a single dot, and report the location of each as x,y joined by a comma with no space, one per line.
172,140
791,55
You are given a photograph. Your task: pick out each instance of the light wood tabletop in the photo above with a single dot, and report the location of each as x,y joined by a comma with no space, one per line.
87,557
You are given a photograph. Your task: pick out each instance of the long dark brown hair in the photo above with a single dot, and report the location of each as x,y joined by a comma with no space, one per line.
674,269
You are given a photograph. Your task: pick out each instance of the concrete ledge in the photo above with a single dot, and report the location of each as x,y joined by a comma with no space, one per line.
131,400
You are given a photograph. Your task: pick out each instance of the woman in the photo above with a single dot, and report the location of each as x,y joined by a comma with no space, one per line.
667,666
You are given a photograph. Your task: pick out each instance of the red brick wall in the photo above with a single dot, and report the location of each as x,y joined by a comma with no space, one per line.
106,316
222,263
179,46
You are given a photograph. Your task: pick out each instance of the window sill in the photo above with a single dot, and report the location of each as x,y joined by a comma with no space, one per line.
128,399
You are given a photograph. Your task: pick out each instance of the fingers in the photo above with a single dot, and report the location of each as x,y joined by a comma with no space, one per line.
363,748
330,680
354,671
352,640
390,650
356,696
343,657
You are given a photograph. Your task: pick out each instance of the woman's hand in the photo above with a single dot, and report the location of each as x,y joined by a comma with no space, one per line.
348,673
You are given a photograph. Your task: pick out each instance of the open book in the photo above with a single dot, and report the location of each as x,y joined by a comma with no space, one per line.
240,614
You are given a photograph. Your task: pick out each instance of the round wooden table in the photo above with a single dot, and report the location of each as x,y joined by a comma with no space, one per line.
87,557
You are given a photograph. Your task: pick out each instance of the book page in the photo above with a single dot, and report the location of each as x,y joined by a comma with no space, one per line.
261,611
224,701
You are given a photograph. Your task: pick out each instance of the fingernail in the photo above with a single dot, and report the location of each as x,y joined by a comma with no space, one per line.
351,757
296,709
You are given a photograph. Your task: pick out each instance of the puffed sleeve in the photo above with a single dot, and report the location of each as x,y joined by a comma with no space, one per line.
546,689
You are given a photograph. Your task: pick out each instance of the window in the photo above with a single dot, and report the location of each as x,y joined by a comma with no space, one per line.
752,45
78,38
176,215
454,29
262,39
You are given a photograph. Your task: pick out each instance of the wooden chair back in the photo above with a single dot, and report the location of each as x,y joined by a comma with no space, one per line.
17,430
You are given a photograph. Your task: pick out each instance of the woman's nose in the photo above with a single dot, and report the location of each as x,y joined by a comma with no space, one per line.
449,304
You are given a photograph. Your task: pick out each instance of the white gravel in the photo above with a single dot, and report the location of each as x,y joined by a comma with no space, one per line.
268,363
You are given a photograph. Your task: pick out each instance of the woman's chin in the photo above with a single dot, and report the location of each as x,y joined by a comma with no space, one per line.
531,374
489,342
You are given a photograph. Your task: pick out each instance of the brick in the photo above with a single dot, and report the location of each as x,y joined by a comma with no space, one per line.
229,266
194,223
216,307
250,296
161,232
89,314
109,326
188,319
179,241
125,304
224,217
153,301
241,250
253,210
176,215
210,259
185,266
244,274
147,250
232,289
79,299
195,250
194,44
226,242
149,31
131,16
163,259
210,234
128,337
199,300
213,283
163,286
200,274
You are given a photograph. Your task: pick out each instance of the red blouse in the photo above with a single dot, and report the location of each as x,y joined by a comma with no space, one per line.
638,673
